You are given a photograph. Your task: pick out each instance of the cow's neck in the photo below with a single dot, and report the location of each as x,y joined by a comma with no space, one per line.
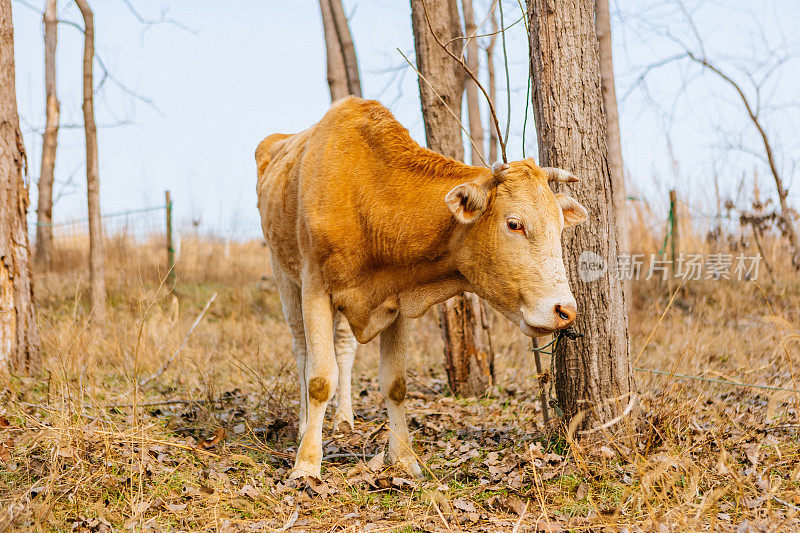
416,244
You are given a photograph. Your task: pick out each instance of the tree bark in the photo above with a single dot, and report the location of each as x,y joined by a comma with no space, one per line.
19,339
96,263
593,372
471,91
613,138
347,47
337,75
44,210
469,358
493,139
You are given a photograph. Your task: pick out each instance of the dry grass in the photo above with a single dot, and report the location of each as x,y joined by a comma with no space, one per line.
207,445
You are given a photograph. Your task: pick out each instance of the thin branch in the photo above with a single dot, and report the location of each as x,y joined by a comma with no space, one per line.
471,75
508,83
692,25
163,369
423,78
149,23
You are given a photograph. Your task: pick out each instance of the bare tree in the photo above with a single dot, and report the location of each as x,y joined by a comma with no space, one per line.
96,262
749,88
44,211
337,75
19,339
468,352
473,64
493,138
347,47
594,382
753,113
603,28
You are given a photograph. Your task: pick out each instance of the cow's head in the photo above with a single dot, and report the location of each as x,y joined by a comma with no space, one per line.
511,252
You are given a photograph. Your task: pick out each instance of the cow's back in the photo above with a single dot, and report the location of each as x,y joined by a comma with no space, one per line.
354,195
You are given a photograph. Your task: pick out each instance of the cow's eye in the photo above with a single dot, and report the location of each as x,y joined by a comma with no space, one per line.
515,225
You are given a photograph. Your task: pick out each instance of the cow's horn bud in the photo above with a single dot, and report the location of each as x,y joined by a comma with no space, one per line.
499,169
559,175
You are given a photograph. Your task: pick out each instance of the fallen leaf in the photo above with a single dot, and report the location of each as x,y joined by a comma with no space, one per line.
139,508
249,491
246,459
464,505
548,527
376,463
212,441
752,452
175,507
581,491
722,463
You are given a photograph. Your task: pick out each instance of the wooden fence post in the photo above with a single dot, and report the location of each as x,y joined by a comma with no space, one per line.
673,239
170,246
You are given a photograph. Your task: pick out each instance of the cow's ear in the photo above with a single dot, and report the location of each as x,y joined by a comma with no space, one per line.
467,201
574,213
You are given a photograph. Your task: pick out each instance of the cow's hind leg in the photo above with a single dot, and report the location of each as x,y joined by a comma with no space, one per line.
289,292
321,372
392,380
345,344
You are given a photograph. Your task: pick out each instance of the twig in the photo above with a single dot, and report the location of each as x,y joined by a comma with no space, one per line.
221,399
521,517
471,75
615,420
144,381
761,251
423,78
787,504
649,337
542,393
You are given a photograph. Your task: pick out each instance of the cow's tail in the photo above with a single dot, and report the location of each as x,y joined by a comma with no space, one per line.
267,149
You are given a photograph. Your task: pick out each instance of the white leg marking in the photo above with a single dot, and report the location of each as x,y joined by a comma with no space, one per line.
321,373
292,310
392,380
345,344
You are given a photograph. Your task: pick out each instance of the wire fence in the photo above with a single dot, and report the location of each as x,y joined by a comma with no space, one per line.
140,247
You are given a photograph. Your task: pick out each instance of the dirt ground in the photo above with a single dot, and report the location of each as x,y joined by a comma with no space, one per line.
207,444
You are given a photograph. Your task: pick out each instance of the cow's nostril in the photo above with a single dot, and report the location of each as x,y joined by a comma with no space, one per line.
566,315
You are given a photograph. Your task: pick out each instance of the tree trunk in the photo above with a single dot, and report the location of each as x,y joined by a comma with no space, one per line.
337,75
347,47
44,211
613,139
19,339
593,373
493,140
96,266
468,351
473,105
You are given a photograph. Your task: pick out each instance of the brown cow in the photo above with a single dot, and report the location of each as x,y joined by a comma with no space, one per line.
368,229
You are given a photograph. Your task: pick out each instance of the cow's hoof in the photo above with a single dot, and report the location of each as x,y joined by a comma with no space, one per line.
304,471
343,424
410,465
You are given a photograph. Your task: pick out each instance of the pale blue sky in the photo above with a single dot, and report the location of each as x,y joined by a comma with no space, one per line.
250,68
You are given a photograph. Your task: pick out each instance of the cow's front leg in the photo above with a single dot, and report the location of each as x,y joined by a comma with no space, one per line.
392,380
345,344
321,373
